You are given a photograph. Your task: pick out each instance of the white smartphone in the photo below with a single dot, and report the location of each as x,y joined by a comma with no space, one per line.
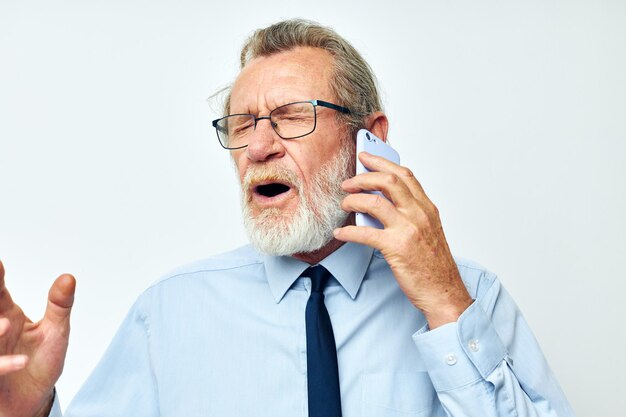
366,141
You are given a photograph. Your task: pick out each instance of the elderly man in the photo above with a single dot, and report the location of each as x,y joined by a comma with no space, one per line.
318,316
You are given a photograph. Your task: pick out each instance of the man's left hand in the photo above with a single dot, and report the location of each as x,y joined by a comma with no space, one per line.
412,241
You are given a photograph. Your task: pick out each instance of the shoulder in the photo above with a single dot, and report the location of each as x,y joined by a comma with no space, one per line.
237,259
216,280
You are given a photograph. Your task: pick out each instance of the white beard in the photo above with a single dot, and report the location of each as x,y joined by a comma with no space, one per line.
317,215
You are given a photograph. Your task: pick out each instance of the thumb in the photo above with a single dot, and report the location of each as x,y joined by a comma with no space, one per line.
60,300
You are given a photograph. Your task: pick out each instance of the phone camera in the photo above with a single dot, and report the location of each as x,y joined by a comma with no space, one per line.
367,135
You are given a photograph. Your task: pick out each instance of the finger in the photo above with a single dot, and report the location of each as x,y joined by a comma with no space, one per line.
377,163
372,204
365,235
1,276
5,324
5,298
3,288
61,300
12,363
389,184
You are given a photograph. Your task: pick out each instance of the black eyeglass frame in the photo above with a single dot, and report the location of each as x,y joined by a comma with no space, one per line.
315,103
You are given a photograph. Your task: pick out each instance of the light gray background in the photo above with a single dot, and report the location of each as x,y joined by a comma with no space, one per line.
511,114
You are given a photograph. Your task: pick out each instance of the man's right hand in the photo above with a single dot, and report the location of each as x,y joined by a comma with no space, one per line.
32,354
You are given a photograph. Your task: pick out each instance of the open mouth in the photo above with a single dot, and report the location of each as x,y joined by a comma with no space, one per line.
272,189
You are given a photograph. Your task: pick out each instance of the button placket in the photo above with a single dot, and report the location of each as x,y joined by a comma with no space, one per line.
451,359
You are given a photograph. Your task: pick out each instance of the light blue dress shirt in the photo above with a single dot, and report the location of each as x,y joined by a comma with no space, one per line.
226,337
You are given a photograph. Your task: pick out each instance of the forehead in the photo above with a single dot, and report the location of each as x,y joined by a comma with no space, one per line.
303,73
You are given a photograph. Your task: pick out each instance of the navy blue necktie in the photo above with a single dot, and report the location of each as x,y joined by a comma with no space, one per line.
322,372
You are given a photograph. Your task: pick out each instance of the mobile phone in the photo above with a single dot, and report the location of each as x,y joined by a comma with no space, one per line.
366,141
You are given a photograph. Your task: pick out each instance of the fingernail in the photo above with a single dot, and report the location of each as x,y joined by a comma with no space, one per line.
19,361
4,323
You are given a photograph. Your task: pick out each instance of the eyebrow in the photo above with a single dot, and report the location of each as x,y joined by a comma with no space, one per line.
272,107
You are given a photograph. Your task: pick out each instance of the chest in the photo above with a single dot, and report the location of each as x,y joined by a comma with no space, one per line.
242,357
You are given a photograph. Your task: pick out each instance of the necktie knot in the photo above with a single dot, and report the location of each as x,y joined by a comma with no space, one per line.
319,277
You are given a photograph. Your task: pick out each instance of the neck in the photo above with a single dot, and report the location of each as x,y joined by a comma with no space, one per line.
315,257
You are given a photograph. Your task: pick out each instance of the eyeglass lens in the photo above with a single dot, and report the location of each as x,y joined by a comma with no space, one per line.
289,121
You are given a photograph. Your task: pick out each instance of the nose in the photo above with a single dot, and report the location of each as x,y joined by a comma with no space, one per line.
264,143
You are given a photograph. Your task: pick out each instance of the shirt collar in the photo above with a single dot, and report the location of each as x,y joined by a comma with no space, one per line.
347,264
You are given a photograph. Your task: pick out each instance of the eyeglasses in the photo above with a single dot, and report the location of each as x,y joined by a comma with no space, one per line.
289,121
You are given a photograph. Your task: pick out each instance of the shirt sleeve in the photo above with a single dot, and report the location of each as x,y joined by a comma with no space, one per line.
488,363
123,383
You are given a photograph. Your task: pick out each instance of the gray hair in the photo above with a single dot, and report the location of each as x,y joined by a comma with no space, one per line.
353,81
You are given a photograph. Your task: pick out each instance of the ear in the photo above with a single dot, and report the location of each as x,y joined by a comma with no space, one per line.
378,124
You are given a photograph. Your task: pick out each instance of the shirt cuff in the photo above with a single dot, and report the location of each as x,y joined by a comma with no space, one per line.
459,353
56,407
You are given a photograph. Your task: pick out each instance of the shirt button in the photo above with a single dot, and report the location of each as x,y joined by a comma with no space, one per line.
473,345
451,359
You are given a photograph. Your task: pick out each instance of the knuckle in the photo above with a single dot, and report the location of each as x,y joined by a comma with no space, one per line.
422,219
391,179
413,234
406,172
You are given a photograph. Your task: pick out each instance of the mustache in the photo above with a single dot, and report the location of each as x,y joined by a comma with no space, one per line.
257,174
